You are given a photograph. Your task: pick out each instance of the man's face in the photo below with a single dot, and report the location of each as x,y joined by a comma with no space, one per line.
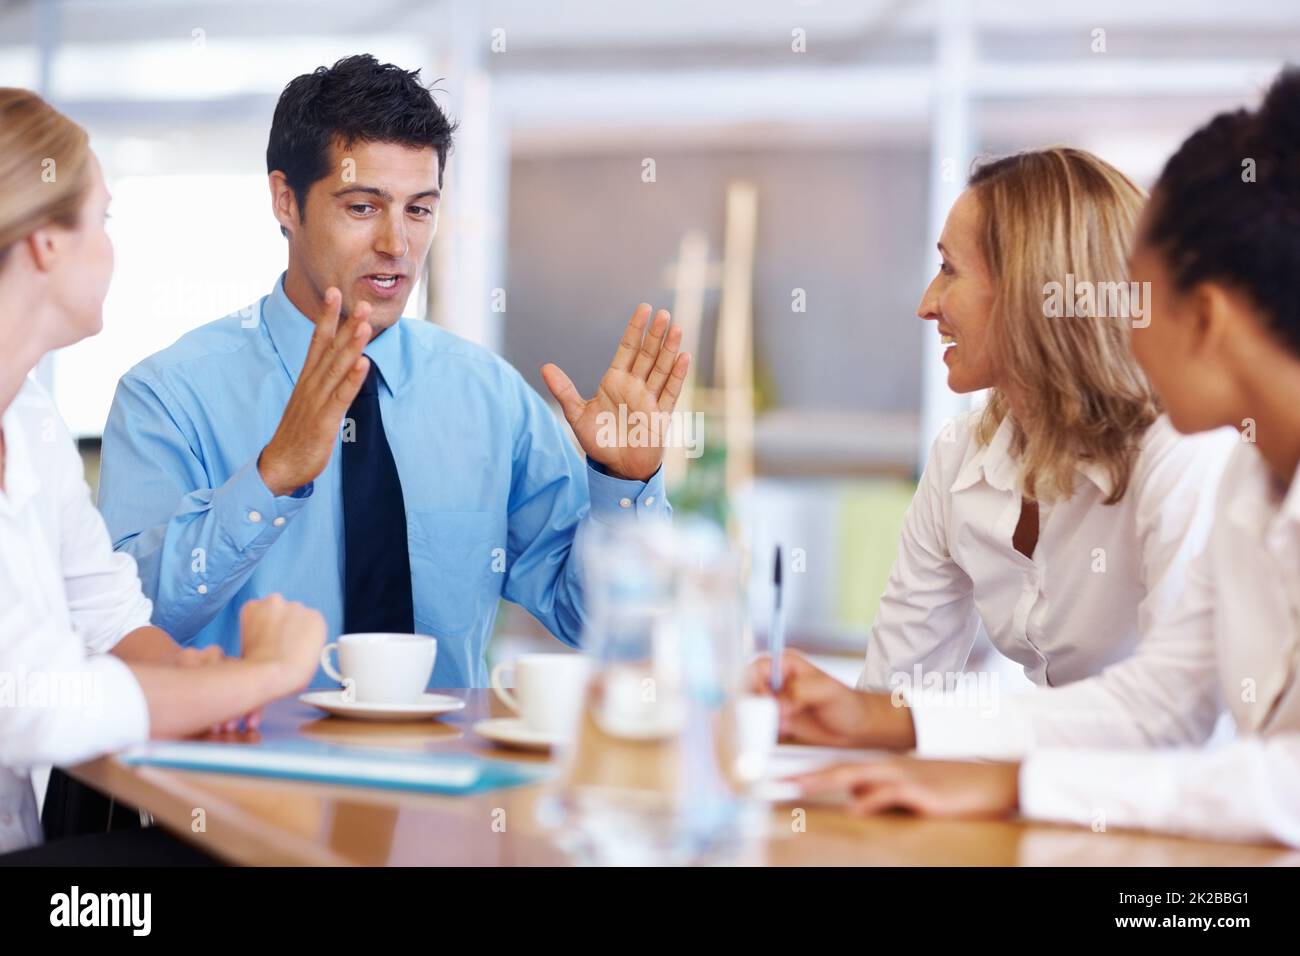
367,229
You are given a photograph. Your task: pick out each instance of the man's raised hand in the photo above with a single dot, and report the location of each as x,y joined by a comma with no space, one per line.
645,378
330,378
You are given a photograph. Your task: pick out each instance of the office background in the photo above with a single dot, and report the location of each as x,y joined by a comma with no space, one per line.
852,123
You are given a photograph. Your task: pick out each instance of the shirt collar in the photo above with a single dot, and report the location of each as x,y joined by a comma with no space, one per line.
995,463
1290,510
1256,503
1098,475
291,332
21,481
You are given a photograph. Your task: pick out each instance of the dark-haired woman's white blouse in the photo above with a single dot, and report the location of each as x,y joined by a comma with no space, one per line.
1243,602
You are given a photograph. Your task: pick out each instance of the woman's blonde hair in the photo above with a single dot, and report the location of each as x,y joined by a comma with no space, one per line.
1048,215
43,157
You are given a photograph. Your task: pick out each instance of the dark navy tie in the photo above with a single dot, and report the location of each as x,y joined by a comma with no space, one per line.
376,562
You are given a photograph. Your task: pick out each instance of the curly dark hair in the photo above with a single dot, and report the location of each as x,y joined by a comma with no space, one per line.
1211,222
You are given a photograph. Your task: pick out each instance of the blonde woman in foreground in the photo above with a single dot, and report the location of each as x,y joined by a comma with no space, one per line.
86,673
1061,516
1222,254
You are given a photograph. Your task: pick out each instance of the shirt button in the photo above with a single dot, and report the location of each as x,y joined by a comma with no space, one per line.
625,503
202,589
278,522
649,501
255,516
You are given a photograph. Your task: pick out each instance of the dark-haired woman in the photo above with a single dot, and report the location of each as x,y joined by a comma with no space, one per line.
1221,250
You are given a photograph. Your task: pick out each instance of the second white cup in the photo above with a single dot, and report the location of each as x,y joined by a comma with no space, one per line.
549,690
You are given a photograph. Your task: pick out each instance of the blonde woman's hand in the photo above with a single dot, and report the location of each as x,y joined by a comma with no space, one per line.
818,709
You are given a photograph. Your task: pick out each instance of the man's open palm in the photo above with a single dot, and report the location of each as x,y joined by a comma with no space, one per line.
645,377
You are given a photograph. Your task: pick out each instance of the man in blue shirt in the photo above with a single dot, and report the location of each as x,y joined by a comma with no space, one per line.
380,469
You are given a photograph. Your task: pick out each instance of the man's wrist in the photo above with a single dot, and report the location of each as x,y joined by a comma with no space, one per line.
270,477
611,472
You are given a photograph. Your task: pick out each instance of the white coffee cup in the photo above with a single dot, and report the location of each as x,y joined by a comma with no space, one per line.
382,668
549,690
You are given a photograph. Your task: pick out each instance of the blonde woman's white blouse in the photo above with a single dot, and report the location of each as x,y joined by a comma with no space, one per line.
1243,601
1079,612
65,600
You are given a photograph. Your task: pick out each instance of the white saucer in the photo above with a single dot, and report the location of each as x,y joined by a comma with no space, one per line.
513,732
429,705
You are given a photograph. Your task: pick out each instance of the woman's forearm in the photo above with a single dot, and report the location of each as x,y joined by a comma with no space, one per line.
184,701
147,645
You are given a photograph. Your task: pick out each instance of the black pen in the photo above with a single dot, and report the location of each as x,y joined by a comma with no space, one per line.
776,636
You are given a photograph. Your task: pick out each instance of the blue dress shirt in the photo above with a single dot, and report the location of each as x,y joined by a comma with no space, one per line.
496,493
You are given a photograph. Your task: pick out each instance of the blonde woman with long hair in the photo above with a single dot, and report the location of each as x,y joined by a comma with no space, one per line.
72,614
1060,516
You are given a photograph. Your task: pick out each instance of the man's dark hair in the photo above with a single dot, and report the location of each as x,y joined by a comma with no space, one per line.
1213,222
358,99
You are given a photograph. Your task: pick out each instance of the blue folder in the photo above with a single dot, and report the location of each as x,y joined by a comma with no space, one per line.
319,762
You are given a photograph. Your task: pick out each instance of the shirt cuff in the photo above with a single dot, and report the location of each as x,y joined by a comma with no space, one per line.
615,500
250,512
132,612
126,712
1089,787
108,715
973,723
1242,791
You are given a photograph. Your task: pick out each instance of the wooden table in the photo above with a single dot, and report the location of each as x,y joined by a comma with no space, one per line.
274,822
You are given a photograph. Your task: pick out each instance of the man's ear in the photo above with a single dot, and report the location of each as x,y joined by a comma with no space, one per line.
284,204
45,246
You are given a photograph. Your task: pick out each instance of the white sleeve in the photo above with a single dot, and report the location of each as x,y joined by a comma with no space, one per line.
927,614
1177,486
1248,790
57,705
105,599
1166,692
